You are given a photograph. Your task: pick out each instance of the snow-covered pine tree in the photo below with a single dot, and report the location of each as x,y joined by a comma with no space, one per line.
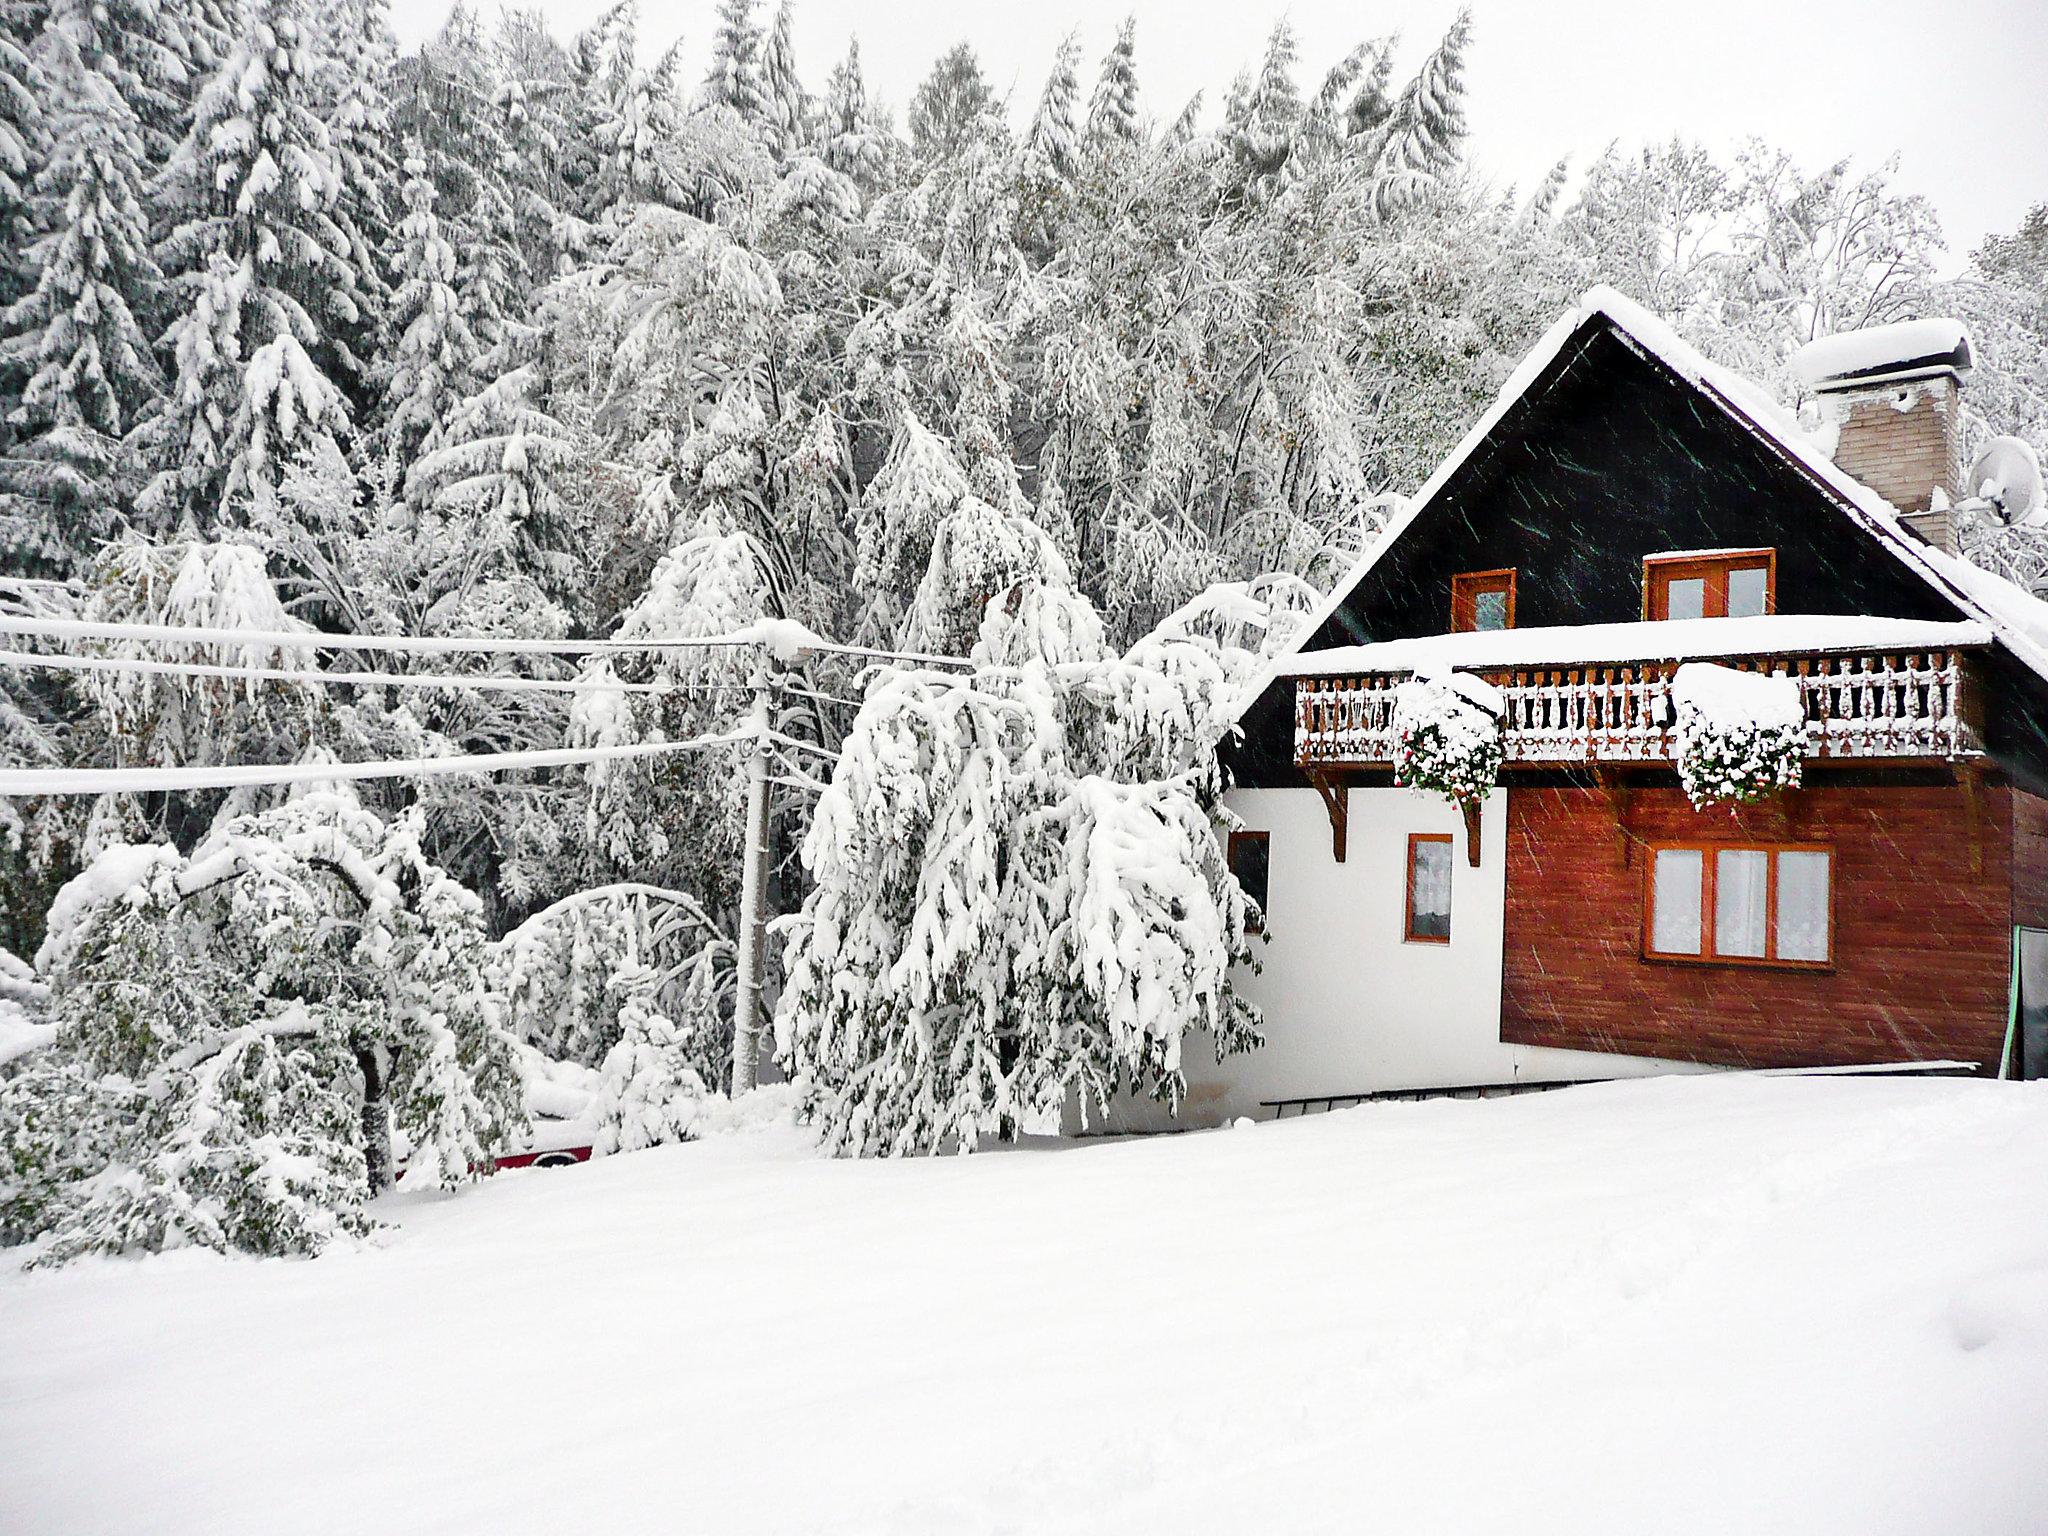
1054,135
1543,201
1324,122
1370,105
76,337
1261,126
785,108
849,138
948,104
357,49
1113,120
22,133
1423,139
547,156
496,477
264,271
735,77
450,105
651,1094
637,137
142,49
434,366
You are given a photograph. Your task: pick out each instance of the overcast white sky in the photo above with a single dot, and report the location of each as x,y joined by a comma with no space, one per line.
1957,88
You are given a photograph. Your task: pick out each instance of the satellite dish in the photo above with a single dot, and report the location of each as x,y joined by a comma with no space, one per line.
2008,476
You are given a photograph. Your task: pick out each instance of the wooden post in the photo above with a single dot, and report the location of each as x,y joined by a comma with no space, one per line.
746,1018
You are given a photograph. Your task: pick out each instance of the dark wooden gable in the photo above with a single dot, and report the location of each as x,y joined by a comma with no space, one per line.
1607,456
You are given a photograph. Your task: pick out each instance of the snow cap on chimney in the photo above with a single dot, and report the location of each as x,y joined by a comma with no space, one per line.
1891,394
1884,354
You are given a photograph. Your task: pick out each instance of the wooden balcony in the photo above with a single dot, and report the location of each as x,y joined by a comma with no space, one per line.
1872,705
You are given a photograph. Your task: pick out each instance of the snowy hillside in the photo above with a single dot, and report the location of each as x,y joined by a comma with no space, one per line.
1733,1304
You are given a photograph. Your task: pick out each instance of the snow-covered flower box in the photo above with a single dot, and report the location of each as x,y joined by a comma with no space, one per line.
1739,736
1447,736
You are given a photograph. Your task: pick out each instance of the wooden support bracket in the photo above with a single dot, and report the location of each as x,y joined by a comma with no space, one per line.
1471,808
1337,801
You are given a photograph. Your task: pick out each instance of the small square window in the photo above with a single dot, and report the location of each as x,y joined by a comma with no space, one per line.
1429,888
1724,584
1482,600
1251,862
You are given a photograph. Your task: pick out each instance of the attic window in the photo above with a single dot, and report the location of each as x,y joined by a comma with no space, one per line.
1711,584
1482,600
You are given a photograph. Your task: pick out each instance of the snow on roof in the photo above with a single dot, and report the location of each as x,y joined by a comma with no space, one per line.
1652,640
1879,351
2015,620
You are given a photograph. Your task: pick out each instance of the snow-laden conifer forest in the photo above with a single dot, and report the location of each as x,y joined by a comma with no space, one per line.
954,461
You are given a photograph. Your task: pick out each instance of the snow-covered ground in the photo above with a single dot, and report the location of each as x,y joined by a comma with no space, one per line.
1702,1304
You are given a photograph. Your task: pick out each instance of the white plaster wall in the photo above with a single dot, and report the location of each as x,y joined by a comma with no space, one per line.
1350,1006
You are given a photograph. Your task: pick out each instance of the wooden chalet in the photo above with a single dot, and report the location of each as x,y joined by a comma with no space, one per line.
1624,508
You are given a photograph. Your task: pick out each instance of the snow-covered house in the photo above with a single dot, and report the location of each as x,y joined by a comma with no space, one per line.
1624,509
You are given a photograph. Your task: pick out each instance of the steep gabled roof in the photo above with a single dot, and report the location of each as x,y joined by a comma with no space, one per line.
2015,619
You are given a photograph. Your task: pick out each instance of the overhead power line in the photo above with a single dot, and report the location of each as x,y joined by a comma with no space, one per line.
106,781
773,634
143,665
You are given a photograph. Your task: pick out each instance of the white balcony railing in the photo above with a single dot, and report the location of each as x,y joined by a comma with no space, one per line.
1875,704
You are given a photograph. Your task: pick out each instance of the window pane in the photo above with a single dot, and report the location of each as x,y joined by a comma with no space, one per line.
1490,610
1429,890
1686,598
1803,906
1741,887
1746,591
1251,860
1675,923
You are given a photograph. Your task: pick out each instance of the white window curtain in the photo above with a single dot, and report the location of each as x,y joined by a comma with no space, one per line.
1803,905
1432,893
1675,926
1742,883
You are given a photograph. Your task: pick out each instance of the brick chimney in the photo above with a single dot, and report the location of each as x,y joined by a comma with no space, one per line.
1893,394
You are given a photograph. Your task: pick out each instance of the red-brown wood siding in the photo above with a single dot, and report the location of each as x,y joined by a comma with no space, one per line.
1922,940
2029,860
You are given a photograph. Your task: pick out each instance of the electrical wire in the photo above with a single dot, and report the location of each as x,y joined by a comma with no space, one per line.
104,781
487,645
143,665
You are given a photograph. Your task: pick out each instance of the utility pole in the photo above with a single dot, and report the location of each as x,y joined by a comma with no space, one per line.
746,1018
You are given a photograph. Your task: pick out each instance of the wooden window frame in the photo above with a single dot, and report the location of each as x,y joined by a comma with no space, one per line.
1466,588
1710,854
1255,921
1408,933
1659,571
